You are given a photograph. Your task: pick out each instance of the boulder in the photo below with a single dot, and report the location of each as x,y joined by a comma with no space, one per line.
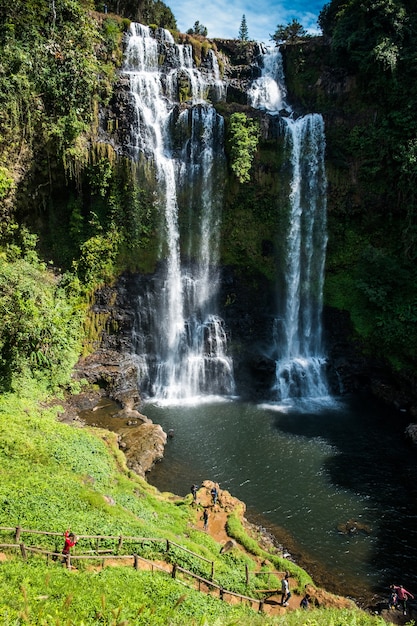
143,446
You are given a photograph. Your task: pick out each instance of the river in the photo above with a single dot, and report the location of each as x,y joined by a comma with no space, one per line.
304,472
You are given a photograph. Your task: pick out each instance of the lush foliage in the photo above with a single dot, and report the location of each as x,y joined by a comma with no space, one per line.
145,11
54,476
197,29
39,324
372,169
291,33
243,137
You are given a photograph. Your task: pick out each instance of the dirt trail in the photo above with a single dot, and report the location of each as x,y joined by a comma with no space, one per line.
218,515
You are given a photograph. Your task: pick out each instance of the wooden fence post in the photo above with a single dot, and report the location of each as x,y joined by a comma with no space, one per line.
23,551
174,570
221,593
212,571
247,574
135,561
68,561
120,542
168,545
17,533
261,606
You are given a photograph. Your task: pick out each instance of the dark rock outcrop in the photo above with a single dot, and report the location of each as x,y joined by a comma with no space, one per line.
114,375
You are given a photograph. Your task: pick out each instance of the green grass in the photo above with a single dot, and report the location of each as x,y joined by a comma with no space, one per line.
53,476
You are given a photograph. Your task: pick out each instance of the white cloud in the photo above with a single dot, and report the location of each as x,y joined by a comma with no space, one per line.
223,19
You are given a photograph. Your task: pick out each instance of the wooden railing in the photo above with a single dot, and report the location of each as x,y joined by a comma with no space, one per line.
18,531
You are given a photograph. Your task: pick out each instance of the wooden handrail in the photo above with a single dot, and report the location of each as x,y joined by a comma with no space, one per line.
199,578
176,568
222,590
121,538
202,558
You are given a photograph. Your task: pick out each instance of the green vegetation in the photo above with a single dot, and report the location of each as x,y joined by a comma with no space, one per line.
372,169
198,29
243,138
145,11
291,33
74,215
54,476
40,325
243,30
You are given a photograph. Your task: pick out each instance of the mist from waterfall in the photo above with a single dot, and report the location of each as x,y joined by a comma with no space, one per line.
297,335
181,342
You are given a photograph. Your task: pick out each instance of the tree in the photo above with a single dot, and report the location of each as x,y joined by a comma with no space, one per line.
198,29
290,33
243,30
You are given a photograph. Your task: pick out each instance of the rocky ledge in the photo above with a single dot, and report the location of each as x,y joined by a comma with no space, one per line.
112,383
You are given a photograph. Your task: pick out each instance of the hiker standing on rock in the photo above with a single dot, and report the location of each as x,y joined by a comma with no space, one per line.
205,519
194,490
285,590
403,595
393,598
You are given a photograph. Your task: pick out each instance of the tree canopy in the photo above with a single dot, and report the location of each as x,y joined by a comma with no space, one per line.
291,33
198,29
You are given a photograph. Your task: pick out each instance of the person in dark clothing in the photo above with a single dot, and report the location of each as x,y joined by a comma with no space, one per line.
205,519
194,489
214,495
393,598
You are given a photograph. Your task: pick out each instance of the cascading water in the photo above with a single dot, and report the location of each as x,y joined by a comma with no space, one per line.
180,340
297,336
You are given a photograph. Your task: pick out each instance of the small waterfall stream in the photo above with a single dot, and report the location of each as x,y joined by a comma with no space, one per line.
297,335
180,339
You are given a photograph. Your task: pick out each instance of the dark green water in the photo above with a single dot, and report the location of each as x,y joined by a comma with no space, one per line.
304,472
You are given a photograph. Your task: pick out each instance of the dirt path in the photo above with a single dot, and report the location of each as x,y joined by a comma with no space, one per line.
218,515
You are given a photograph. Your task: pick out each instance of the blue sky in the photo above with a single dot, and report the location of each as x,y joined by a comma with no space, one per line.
223,17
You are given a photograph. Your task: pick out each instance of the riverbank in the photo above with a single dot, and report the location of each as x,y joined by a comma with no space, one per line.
279,541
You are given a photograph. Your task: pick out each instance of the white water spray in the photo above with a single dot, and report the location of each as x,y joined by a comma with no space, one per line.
181,341
297,336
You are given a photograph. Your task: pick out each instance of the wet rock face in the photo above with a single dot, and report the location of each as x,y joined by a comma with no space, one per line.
351,370
116,376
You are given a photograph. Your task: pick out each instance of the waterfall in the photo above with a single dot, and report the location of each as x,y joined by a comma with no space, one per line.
180,340
297,333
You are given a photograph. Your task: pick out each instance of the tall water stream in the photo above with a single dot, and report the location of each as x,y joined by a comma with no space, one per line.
180,339
297,337
305,464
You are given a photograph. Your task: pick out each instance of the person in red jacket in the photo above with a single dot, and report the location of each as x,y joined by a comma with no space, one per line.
403,595
70,541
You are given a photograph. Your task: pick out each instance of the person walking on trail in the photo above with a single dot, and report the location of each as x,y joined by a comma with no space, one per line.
403,595
285,590
205,519
214,495
194,489
69,542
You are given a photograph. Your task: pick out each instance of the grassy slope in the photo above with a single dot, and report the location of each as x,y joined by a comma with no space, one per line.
53,476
